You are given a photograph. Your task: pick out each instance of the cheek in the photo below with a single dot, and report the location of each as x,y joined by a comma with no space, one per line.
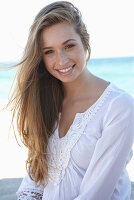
47,66
80,53
49,59
81,59
47,62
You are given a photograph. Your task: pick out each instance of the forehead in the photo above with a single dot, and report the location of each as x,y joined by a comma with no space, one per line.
58,33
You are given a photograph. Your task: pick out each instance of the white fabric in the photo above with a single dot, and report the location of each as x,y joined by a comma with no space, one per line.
89,162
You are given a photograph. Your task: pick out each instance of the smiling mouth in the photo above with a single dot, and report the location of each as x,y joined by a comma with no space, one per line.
66,70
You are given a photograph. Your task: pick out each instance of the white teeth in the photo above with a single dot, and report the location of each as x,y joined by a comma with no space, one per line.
65,70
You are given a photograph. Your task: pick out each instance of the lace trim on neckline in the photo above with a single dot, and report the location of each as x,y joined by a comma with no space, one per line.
58,150
99,101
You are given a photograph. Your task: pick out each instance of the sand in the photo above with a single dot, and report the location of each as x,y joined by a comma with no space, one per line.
12,168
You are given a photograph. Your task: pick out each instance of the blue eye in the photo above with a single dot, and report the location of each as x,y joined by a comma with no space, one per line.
69,46
48,52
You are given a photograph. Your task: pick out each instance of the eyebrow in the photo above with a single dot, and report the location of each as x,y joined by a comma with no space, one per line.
62,44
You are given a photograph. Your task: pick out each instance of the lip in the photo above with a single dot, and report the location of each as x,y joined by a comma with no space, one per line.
65,67
66,73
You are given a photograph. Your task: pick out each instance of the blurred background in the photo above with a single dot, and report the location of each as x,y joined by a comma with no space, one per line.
110,25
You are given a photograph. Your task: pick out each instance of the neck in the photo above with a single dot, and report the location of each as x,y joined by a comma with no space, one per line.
78,88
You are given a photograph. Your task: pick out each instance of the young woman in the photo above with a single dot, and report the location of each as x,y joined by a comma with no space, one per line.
77,127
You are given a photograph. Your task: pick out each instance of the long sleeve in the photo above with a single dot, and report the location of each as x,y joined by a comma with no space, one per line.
29,191
111,152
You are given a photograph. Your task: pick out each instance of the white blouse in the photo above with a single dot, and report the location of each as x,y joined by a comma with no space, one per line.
89,162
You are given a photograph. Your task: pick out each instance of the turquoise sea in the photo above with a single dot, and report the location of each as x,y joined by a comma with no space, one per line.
120,71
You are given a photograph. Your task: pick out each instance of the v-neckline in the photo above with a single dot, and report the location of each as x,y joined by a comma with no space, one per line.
67,133
80,114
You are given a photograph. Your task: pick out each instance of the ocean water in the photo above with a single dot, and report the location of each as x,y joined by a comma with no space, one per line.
120,71
117,70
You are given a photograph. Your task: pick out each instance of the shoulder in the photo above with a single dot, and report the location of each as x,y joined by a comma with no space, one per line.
120,104
120,99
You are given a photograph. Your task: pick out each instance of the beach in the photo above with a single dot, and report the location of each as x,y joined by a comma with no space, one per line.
13,159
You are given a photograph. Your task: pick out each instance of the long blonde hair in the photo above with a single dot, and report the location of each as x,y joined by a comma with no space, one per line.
37,97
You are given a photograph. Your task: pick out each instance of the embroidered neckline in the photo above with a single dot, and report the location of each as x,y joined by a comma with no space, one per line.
100,100
58,150
92,109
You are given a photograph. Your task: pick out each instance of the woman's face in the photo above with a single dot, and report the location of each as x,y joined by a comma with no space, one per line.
63,52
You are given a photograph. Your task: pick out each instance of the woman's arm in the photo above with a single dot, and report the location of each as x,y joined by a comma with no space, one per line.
111,151
28,190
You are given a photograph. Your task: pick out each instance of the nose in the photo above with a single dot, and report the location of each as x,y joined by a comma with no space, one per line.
61,59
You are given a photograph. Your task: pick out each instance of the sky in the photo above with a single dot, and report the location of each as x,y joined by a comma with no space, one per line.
109,23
